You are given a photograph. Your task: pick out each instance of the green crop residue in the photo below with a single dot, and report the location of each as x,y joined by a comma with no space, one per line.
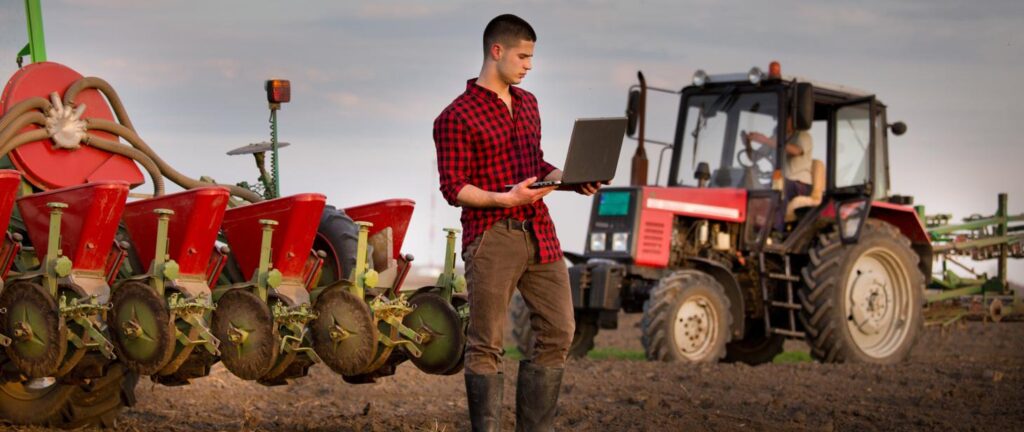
789,357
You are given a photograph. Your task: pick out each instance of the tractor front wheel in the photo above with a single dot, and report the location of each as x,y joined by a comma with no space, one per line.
48,402
687,319
862,302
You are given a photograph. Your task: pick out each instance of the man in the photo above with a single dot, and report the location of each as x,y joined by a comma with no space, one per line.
796,170
487,138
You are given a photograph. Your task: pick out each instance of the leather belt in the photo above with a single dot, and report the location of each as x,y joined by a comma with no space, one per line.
518,225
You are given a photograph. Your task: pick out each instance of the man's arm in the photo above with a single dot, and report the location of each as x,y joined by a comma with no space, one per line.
521,194
758,137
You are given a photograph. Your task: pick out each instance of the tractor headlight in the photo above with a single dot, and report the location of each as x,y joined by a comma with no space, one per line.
755,75
700,77
597,242
620,241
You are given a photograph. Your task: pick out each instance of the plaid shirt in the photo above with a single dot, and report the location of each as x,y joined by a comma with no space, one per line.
480,143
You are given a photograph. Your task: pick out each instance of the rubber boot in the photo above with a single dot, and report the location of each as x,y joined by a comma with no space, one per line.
537,397
484,394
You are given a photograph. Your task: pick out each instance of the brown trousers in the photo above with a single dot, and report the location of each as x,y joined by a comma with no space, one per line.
498,261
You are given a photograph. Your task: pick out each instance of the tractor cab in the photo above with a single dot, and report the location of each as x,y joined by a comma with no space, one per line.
764,132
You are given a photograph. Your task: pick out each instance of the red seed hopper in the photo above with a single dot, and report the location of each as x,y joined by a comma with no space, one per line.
88,224
296,216
192,229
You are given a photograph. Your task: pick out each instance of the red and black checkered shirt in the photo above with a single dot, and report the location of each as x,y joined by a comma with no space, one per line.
480,143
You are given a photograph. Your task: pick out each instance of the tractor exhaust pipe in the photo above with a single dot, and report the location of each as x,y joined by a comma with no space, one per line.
638,174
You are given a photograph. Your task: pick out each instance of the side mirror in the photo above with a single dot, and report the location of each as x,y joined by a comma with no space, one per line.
898,128
632,112
804,106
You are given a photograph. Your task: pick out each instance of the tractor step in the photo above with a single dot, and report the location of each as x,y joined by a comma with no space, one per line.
783,277
789,333
790,307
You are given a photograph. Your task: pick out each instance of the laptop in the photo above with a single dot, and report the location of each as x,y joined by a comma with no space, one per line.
593,152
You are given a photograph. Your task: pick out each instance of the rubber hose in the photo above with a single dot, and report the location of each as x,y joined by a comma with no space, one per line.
108,91
19,123
23,107
126,151
165,168
20,140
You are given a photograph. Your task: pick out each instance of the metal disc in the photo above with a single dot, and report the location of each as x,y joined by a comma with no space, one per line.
141,328
457,302
249,340
343,332
436,318
32,321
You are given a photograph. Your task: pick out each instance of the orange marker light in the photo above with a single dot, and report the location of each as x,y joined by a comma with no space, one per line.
775,70
279,91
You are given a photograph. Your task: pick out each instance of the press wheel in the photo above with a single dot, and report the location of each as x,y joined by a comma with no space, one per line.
141,328
343,333
249,340
435,318
37,331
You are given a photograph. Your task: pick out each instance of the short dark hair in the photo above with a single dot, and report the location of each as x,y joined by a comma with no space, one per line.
507,30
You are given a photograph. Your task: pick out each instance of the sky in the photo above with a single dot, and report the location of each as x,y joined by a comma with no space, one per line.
368,79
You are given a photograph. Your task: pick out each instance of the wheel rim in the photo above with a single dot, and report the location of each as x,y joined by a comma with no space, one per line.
877,302
695,327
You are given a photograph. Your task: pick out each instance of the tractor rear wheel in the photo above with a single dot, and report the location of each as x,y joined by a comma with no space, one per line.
522,332
337,236
756,347
48,402
862,302
687,319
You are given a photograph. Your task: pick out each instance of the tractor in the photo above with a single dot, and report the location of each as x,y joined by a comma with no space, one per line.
102,285
722,266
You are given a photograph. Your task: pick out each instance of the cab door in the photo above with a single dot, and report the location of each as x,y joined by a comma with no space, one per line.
851,148
851,164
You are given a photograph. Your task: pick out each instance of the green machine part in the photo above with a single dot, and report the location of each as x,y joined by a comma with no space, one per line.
36,47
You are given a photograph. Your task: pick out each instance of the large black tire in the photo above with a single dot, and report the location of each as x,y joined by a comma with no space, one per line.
69,405
688,305
522,332
756,347
883,266
338,236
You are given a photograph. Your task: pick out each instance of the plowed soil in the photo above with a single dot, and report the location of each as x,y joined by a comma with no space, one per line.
968,378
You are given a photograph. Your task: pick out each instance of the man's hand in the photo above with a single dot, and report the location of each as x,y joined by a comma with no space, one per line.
588,189
521,194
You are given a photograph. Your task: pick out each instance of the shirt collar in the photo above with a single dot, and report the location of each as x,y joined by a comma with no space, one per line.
473,89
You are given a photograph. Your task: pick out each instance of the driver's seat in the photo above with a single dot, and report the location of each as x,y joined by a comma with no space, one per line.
817,192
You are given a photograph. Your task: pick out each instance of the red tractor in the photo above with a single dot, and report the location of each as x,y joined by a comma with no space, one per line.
722,267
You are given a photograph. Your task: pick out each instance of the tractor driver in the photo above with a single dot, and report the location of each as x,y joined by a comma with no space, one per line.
489,137
796,169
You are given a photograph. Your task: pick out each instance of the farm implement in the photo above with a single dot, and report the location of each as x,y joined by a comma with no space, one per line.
102,285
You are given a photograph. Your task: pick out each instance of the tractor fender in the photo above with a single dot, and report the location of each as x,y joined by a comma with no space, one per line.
724,276
905,219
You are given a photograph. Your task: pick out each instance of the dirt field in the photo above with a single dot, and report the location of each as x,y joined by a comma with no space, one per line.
969,379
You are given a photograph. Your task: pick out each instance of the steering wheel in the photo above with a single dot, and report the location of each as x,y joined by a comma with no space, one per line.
753,158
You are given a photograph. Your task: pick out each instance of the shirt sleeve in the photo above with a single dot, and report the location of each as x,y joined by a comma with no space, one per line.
453,154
